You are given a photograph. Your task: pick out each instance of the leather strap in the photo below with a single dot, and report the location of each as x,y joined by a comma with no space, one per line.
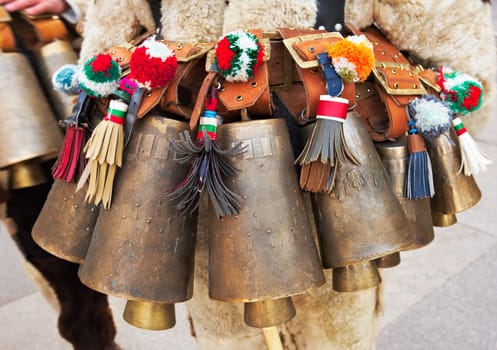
155,8
48,28
397,83
7,39
334,83
132,113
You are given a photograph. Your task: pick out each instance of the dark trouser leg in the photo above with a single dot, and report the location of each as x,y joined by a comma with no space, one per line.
85,318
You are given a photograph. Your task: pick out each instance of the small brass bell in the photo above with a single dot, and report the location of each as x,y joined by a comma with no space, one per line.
142,248
26,174
395,158
454,191
266,253
65,224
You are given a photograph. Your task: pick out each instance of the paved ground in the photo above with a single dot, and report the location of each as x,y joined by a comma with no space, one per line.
442,297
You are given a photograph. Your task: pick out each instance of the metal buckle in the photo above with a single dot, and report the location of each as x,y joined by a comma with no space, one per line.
420,90
303,38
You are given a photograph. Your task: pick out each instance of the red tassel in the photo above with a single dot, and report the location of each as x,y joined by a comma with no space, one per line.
70,161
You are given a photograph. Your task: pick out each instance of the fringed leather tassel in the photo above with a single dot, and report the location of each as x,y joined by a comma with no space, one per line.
104,150
70,161
210,165
473,160
325,147
419,177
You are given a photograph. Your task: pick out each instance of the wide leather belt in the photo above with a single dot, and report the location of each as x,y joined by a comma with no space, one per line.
397,82
7,40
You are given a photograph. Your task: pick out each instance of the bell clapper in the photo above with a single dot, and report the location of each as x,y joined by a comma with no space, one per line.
272,338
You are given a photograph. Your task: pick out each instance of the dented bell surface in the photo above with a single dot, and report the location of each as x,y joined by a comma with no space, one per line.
142,248
361,219
29,129
454,191
267,251
65,224
395,158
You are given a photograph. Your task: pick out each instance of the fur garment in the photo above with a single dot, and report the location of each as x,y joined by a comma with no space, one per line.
462,40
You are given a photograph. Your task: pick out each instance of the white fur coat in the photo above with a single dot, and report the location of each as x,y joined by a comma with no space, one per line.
463,40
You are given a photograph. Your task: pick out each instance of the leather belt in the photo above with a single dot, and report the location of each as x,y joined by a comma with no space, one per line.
397,82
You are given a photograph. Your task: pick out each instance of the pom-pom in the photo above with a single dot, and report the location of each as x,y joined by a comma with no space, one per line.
65,80
238,56
99,76
462,92
152,64
353,58
431,116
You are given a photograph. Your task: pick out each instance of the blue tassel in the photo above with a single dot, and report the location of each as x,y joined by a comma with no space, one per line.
419,177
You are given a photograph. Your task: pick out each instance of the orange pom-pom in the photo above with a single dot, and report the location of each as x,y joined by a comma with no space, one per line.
353,58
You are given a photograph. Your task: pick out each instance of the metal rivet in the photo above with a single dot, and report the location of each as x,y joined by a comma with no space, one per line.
311,49
396,86
112,52
239,98
137,205
222,88
76,206
179,47
411,74
149,93
120,59
394,71
254,84
415,86
383,53
65,198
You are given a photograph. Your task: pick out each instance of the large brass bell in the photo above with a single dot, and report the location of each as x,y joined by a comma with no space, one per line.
454,191
65,224
361,219
266,253
29,129
50,57
395,158
142,248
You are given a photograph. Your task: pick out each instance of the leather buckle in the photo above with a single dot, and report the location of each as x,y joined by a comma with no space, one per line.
388,70
290,42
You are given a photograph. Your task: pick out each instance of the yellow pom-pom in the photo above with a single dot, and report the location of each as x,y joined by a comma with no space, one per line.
353,58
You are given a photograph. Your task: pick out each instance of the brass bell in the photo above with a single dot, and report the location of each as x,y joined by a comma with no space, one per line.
443,220
50,57
358,276
142,248
395,158
26,174
454,191
387,261
266,253
361,219
29,129
65,224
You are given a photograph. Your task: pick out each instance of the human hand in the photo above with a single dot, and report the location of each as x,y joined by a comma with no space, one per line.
35,7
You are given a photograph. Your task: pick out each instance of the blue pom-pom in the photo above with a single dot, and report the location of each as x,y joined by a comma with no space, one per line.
431,116
65,80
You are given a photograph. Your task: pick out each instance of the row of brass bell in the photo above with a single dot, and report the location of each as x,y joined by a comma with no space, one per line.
142,249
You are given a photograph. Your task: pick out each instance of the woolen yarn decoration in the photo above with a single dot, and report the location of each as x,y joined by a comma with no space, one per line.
353,58
99,76
238,56
152,64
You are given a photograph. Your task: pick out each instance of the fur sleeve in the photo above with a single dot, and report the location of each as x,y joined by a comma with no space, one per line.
269,14
108,23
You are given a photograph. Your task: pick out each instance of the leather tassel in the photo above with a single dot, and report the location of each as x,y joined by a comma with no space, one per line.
104,151
419,177
210,165
473,160
70,161
325,147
